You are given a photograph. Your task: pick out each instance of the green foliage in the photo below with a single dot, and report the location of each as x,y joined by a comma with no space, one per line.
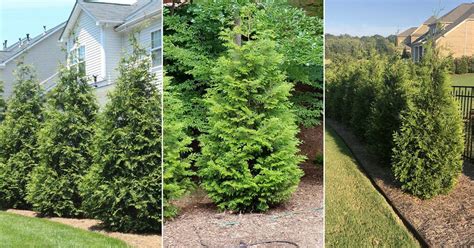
18,142
346,46
193,46
191,49
64,140
462,65
427,153
2,103
384,117
249,156
123,187
299,38
177,159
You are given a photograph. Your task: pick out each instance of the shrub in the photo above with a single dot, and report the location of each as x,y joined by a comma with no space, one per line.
384,117
123,187
461,65
428,147
366,85
471,64
18,142
64,146
249,156
177,159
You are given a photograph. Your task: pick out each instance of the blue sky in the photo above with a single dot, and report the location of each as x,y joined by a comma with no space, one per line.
19,17
384,17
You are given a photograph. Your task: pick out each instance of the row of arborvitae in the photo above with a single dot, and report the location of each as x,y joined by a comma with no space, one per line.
60,157
406,114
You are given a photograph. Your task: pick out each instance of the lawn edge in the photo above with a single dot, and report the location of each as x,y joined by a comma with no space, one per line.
361,166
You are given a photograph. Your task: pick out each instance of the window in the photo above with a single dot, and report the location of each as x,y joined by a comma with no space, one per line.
77,59
156,48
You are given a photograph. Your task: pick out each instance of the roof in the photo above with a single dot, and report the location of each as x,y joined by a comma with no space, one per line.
113,13
407,32
15,49
430,20
451,20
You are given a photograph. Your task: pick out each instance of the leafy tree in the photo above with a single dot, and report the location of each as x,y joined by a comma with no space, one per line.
249,156
64,146
177,157
123,187
428,147
18,142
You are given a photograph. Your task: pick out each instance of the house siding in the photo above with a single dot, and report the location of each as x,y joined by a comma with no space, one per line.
113,52
459,41
45,57
89,35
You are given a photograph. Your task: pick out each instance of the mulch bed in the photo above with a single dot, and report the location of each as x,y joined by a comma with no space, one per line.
443,221
296,223
133,240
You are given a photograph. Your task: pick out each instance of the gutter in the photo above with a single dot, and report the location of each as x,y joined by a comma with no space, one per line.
127,25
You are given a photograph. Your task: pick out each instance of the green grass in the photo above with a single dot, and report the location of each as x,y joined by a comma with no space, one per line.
357,215
463,79
21,231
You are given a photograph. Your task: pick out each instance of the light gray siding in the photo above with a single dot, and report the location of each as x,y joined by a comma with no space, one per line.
45,57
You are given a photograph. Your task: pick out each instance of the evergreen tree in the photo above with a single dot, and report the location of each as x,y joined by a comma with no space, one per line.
384,117
177,158
64,146
18,142
428,147
249,155
123,188
2,103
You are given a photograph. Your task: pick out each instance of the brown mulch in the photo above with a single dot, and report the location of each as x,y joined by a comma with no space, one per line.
133,240
443,221
296,223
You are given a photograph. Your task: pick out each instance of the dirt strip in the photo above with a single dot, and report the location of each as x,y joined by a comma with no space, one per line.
134,240
443,221
297,223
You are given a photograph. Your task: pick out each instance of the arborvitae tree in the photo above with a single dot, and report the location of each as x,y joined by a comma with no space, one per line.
2,103
64,146
249,155
366,86
177,157
18,142
384,118
427,150
123,188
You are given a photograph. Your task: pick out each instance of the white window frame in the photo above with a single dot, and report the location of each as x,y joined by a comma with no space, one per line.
157,49
74,58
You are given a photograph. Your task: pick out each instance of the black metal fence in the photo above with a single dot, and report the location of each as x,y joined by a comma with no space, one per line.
465,96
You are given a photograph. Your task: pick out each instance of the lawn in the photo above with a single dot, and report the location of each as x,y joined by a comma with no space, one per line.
463,79
21,231
357,215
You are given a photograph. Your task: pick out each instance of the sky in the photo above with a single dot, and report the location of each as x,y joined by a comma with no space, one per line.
19,17
383,17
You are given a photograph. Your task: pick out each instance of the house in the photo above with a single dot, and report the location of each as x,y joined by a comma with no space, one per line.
453,33
43,52
96,36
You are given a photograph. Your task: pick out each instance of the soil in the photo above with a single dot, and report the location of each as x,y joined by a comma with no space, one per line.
443,221
296,223
134,240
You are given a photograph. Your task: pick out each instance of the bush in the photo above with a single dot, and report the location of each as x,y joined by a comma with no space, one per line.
2,103
18,142
123,187
64,146
461,65
428,147
177,159
384,117
249,156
